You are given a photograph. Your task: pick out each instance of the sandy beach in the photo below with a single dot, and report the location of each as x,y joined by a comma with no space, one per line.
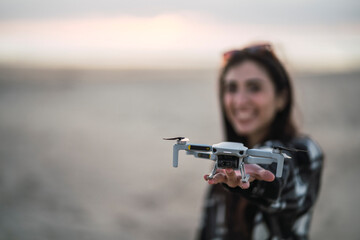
82,155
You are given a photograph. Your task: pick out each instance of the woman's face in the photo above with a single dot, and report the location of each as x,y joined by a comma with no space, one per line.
250,100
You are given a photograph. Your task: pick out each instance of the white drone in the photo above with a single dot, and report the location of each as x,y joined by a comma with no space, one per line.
231,155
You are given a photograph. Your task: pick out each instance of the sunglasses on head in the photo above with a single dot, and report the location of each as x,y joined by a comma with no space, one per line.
253,49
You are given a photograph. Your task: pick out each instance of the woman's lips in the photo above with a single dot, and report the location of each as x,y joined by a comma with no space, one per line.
244,116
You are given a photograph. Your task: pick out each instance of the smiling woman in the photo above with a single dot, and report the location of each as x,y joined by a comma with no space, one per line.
256,104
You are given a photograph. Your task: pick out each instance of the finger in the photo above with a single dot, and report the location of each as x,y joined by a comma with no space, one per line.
259,173
244,185
206,177
252,178
220,170
265,175
219,178
232,179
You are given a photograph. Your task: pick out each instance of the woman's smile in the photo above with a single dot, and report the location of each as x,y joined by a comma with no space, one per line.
244,115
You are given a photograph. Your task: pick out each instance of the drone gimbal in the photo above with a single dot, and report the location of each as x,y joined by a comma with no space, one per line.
231,155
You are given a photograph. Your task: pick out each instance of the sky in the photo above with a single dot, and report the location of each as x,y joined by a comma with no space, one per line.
307,35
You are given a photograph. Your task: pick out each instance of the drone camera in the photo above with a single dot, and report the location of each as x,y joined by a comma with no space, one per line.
228,161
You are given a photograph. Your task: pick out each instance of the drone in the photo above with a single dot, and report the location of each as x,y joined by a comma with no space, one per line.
231,155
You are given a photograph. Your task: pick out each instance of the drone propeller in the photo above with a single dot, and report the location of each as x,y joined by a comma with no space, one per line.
289,149
179,139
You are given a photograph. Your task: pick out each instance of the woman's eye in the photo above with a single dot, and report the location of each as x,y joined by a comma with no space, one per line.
254,88
231,88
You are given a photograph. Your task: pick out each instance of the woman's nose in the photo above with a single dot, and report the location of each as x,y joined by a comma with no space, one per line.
241,98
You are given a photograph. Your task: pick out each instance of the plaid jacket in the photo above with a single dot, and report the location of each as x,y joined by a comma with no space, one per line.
281,209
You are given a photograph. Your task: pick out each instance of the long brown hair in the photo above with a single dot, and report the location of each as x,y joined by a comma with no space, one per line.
283,127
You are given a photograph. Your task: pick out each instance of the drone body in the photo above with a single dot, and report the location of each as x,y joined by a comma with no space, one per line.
230,155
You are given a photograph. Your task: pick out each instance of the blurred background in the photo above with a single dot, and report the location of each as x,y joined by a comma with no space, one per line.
89,88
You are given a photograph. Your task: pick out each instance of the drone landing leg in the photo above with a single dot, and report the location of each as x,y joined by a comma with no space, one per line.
213,172
244,177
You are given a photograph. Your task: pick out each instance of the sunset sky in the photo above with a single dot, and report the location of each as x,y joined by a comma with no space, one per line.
309,35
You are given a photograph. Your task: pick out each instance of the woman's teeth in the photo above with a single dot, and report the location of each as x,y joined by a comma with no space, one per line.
244,115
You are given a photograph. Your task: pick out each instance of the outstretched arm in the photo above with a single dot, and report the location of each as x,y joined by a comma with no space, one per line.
297,189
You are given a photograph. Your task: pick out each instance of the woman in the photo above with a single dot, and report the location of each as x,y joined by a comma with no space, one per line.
256,99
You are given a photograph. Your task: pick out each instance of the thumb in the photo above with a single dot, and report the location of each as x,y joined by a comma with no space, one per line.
266,175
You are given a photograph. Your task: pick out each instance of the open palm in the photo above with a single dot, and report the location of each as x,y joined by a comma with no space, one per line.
233,178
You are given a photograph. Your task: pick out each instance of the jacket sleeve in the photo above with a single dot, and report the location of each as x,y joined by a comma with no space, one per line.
297,189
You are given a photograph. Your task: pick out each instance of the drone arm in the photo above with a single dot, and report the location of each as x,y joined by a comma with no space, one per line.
259,156
204,155
258,160
259,153
194,149
198,147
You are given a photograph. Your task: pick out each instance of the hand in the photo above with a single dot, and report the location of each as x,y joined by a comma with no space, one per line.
233,178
